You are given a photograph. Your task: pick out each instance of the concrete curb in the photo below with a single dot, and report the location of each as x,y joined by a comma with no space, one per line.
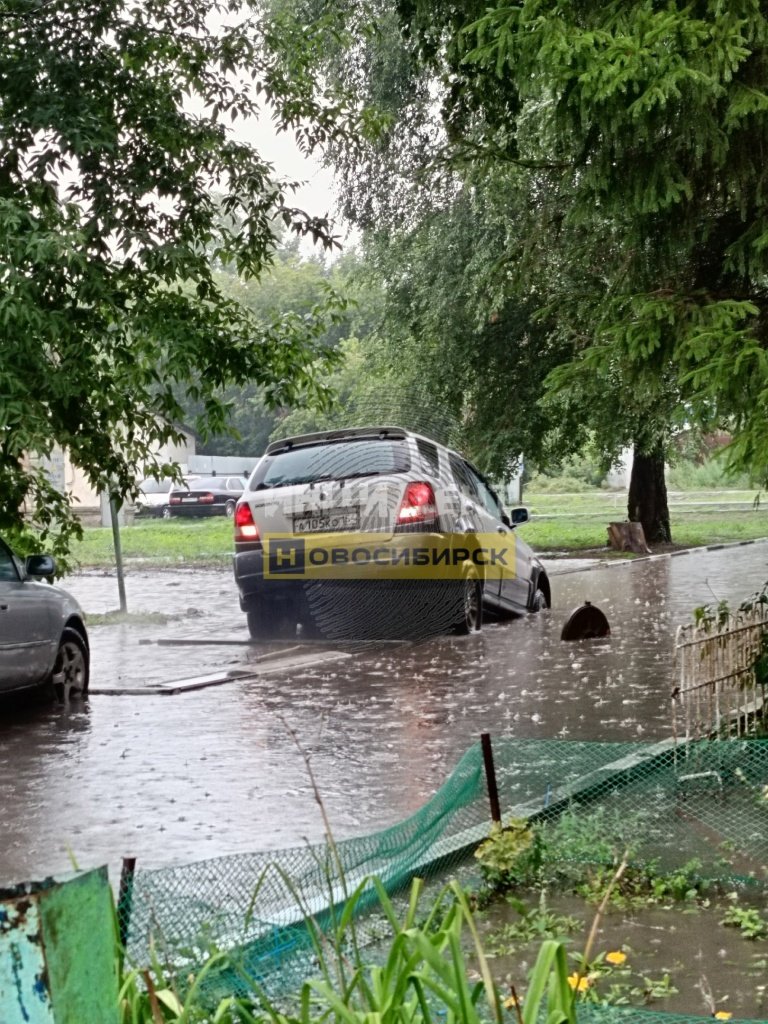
266,667
614,563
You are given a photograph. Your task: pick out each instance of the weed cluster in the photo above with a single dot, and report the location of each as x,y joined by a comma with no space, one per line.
420,975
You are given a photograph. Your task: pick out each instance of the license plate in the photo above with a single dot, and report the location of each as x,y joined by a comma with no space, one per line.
327,522
188,499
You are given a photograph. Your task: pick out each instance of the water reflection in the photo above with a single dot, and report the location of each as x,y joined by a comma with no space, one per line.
217,771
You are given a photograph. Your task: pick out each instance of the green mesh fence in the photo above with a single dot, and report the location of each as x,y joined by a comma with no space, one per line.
669,803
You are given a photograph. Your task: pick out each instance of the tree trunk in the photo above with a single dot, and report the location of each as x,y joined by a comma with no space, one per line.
647,502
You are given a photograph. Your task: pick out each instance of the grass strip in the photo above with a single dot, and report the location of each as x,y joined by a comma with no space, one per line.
209,542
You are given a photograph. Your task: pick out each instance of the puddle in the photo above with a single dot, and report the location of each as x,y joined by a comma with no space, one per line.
679,958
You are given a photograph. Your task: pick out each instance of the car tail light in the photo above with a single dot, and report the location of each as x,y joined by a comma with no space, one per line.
175,499
206,499
245,527
418,504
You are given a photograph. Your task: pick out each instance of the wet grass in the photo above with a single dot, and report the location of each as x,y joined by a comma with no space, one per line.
579,524
116,618
688,530
614,503
160,543
579,521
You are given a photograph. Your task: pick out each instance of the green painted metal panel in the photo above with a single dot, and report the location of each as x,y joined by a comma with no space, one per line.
57,951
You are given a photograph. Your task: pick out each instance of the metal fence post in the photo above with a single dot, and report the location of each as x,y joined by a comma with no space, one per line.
490,777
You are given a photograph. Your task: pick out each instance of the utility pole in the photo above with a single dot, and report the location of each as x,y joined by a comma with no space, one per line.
113,513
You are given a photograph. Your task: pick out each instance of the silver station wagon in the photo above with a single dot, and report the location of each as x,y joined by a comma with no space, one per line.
377,532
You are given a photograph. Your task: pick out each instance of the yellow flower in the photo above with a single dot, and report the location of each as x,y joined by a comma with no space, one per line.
723,1015
615,957
511,1002
581,984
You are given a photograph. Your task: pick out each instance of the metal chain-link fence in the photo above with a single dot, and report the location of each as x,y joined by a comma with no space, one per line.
668,803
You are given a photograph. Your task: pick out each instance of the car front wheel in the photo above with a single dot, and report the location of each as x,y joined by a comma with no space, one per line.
539,601
70,670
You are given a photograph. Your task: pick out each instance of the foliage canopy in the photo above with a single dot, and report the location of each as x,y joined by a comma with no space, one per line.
122,186
642,128
620,147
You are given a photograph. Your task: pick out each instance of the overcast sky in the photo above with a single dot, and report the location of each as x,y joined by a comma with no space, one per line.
316,194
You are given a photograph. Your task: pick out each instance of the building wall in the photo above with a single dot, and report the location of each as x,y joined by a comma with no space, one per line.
85,499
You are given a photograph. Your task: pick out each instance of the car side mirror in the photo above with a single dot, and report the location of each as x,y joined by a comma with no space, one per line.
43,566
519,516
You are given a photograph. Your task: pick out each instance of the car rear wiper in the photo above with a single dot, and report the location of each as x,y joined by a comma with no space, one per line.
263,486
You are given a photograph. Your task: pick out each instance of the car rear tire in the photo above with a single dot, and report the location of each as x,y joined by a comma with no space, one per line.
471,620
166,513
265,623
70,673
229,509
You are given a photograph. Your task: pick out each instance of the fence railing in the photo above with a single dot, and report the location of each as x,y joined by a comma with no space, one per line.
719,686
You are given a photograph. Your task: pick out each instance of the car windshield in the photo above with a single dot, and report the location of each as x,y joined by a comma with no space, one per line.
9,565
337,460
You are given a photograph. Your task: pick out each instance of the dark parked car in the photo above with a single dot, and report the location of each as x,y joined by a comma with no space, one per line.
207,496
43,640
154,495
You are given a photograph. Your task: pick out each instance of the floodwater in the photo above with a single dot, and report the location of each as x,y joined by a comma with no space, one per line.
680,961
171,779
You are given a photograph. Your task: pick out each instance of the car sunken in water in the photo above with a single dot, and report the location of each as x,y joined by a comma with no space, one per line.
377,532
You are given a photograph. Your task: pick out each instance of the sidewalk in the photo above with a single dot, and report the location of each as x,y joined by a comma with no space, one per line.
169,604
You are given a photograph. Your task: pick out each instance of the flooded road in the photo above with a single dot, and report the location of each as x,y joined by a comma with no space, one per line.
179,778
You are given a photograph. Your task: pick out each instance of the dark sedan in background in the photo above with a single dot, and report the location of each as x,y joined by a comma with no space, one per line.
207,496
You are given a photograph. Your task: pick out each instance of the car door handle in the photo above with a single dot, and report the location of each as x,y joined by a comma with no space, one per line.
501,529
3,607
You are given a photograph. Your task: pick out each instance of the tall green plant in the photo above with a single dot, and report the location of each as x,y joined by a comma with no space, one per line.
421,974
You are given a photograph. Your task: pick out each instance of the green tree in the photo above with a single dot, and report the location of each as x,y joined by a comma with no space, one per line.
643,126
116,162
446,218
636,131
454,338
295,284
477,350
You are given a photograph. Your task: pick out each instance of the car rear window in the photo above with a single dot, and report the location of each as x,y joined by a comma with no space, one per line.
339,460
